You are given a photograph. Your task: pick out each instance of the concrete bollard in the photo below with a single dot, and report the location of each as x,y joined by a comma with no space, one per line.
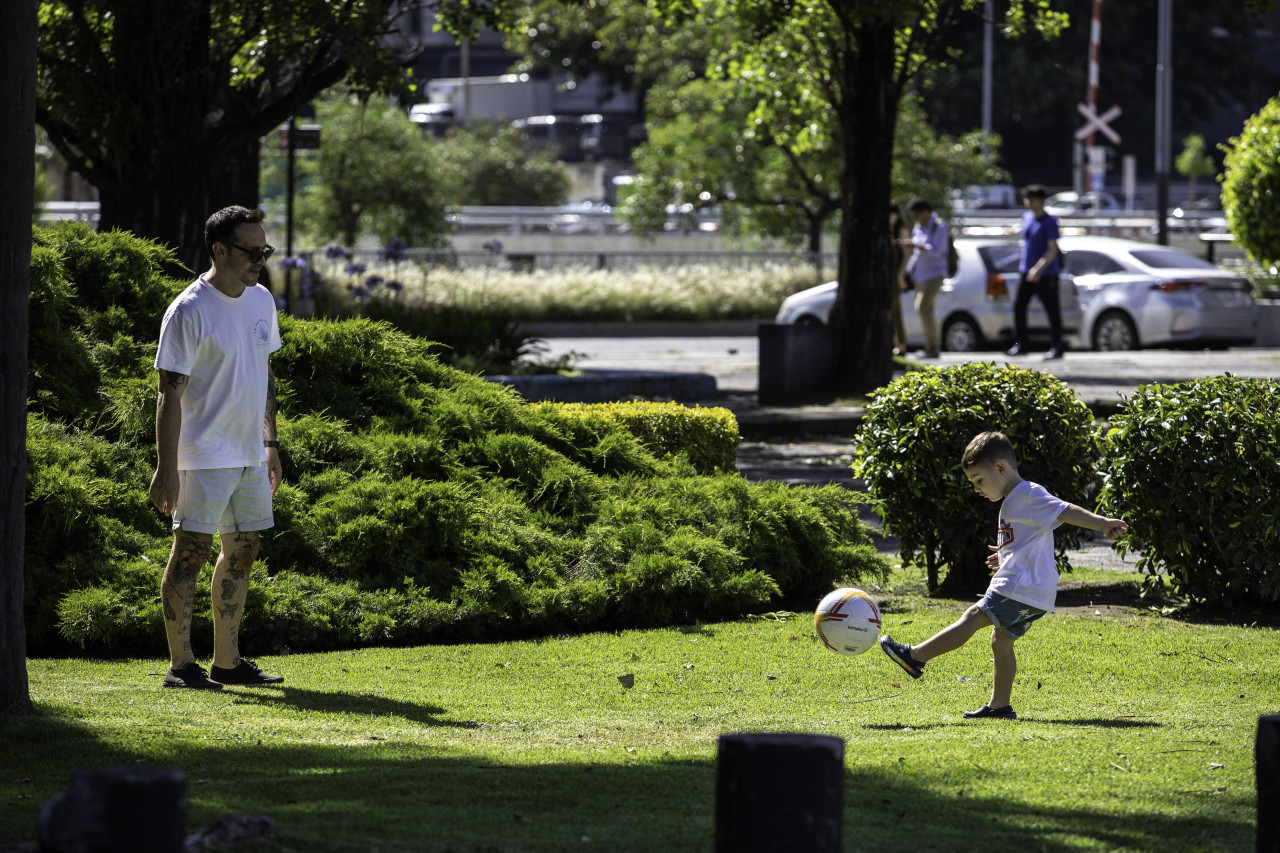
1267,769
117,810
779,792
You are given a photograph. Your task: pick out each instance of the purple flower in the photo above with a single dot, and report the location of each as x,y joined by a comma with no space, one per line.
395,251
311,282
280,303
355,268
395,285
373,281
359,294
293,264
334,252
494,245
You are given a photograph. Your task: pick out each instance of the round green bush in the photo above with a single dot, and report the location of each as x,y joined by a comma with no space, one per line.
908,454
1194,468
1251,184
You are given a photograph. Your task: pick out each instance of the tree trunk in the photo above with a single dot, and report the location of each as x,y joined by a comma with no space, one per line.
17,190
867,117
967,575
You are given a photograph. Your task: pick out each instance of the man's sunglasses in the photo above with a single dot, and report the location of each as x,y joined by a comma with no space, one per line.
255,255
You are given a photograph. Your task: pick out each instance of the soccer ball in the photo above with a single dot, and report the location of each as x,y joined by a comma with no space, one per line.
847,621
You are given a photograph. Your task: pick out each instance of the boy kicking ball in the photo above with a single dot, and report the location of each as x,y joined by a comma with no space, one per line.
1025,583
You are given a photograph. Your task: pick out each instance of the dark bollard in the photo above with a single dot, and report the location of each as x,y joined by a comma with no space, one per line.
117,810
1267,767
777,792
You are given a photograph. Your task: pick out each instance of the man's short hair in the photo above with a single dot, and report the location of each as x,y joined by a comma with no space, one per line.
221,226
919,204
987,448
1034,191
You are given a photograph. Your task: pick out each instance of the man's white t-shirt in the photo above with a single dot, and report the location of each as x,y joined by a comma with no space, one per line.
1027,570
223,345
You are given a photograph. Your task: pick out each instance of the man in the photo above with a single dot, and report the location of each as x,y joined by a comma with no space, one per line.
218,458
930,238
1039,272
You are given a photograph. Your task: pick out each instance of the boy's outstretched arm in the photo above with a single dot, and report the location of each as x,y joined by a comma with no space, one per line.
1112,528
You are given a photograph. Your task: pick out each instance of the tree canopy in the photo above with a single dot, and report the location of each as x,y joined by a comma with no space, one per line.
161,105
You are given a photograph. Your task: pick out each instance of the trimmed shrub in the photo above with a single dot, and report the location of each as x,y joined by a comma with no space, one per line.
1188,466
1251,182
708,436
908,453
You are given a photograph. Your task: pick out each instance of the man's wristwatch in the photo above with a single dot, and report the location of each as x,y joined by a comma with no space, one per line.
271,442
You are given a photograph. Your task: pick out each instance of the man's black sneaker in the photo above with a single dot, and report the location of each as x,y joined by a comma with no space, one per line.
190,676
901,655
1005,713
245,673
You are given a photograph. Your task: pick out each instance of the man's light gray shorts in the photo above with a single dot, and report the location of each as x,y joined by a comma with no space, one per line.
1011,618
223,500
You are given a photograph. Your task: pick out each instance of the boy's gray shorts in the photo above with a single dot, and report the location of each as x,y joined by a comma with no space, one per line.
1011,618
224,500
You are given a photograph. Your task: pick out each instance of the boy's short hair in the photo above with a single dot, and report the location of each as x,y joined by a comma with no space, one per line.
1034,191
918,204
987,448
221,226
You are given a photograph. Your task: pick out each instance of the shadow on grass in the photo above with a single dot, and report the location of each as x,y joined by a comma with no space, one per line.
360,704
416,796
1093,723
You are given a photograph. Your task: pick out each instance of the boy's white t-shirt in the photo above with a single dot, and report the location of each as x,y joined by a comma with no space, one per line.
223,345
1027,573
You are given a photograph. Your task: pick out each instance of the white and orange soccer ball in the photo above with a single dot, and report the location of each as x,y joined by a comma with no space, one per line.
847,621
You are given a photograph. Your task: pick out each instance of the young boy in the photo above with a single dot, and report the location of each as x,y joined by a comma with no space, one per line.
1025,583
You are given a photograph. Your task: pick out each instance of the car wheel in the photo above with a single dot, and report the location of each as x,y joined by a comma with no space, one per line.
961,334
808,320
1114,332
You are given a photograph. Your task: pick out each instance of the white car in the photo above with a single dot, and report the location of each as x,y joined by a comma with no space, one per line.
974,309
1078,204
1136,294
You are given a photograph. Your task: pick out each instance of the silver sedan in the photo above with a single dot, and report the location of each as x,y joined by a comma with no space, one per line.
1136,294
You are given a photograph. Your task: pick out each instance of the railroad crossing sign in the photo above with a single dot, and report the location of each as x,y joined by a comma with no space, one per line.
1099,123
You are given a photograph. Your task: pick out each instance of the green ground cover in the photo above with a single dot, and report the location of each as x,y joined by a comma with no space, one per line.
1136,733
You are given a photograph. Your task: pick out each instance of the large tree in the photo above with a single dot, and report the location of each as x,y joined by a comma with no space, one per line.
160,104
856,61
17,183
819,84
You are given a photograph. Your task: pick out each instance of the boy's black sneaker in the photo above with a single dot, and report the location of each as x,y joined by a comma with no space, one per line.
901,655
246,674
190,676
986,711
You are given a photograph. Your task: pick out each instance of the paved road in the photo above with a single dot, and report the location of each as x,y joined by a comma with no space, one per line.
732,360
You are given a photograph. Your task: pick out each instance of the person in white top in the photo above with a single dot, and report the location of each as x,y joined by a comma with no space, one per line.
218,456
1025,584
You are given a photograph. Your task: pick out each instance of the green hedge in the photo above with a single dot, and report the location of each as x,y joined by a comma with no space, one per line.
707,436
421,503
1195,469
914,433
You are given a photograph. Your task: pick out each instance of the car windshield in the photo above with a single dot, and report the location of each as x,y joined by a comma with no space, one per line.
1170,259
1004,257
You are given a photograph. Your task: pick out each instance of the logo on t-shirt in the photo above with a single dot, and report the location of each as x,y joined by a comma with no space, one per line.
263,331
1004,536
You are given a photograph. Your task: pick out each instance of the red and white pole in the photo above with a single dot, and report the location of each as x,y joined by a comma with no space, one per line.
1097,169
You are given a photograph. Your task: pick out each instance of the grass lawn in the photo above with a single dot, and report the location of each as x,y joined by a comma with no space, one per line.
1136,733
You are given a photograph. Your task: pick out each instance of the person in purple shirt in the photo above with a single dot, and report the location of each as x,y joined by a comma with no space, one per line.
1039,269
